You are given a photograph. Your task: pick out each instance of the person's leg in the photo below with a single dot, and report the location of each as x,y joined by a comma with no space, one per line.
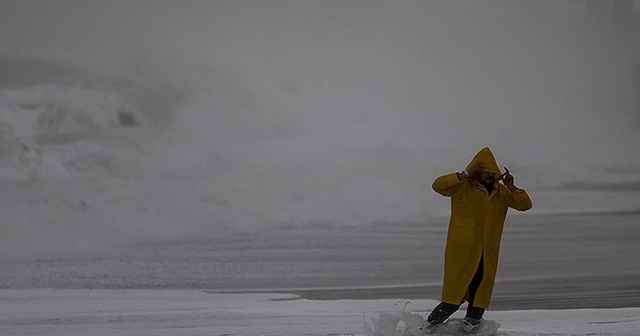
473,312
442,312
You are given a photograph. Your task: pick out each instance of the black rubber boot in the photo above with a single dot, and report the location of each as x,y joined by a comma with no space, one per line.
442,312
475,312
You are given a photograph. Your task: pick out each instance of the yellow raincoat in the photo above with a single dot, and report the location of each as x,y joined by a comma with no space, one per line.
475,227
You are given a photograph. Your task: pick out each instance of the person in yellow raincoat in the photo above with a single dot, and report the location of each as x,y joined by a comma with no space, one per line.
479,205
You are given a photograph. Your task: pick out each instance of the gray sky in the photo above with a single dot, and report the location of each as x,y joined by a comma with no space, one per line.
531,79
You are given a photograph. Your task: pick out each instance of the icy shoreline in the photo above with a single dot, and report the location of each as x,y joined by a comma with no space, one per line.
189,312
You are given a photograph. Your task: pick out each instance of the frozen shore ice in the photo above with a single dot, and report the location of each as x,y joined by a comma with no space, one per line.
190,312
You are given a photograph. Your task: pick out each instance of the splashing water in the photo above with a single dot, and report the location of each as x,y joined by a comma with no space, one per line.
405,323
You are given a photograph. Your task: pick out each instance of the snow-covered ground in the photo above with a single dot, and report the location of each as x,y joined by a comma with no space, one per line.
188,312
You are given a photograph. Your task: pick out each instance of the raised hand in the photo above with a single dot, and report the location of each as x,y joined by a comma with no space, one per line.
508,179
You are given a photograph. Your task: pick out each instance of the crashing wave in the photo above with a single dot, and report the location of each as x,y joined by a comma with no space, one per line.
54,121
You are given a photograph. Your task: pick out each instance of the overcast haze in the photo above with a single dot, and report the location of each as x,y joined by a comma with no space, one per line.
345,111
517,75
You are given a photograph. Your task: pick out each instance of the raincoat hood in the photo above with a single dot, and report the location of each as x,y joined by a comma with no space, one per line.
486,158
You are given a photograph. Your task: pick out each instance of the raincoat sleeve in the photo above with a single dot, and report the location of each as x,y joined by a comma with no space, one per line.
520,200
446,185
